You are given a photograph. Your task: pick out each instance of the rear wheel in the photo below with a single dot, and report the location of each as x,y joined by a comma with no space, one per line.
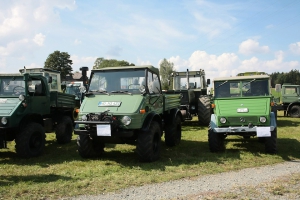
64,130
215,141
30,142
149,143
173,132
271,142
295,111
204,110
89,147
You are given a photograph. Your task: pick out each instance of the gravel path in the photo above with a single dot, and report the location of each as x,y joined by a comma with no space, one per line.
228,185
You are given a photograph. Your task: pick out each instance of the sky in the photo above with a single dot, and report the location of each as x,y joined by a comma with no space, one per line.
223,37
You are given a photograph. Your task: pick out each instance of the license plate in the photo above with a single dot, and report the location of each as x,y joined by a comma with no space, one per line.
110,103
103,130
242,110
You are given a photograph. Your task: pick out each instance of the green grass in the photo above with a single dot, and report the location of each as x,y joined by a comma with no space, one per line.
61,172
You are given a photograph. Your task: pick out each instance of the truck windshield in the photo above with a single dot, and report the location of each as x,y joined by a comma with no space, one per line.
241,88
120,81
180,82
12,86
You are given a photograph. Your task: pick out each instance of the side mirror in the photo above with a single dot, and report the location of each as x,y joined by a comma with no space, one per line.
50,79
82,89
208,81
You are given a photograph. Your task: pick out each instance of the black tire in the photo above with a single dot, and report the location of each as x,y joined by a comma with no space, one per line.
89,147
215,141
295,111
149,143
30,142
173,132
204,110
64,130
271,142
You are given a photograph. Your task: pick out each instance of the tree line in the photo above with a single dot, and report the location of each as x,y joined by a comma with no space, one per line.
61,61
292,77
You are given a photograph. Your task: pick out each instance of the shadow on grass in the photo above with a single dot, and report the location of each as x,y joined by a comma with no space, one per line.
287,122
9,180
189,152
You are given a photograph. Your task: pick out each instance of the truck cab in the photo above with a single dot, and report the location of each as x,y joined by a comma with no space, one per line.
242,106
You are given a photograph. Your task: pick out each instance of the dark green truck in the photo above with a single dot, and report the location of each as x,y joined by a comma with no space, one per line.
125,105
242,106
30,106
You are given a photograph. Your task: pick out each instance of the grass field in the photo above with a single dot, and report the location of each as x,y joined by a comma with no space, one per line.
61,172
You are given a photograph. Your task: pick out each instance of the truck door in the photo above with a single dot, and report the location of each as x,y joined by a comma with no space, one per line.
40,102
154,86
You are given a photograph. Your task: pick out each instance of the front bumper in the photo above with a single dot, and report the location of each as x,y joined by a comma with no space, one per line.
93,131
241,129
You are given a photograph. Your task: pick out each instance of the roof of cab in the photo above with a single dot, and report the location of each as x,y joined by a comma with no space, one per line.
242,77
150,67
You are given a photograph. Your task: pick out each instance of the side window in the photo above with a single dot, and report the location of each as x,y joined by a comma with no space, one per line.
153,83
54,82
290,90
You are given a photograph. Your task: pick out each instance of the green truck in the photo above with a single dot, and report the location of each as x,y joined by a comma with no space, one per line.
242,106
125,105
289,100
195,100
32,105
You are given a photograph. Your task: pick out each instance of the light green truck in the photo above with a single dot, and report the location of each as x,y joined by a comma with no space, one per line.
242,106
125,105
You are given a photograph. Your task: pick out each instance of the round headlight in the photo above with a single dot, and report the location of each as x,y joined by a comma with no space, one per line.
4,120
83,118
193,107
126,120
262,119
223,120
21,97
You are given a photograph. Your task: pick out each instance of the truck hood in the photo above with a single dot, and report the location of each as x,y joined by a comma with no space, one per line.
229,107
118,103
7,105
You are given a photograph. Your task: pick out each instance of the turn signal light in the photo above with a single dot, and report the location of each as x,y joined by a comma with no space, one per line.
213,105
143,111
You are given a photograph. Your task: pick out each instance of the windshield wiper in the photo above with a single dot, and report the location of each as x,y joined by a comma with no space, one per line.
249,82
97,91
120,91
221,84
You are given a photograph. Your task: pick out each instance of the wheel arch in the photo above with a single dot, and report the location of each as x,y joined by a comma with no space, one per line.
151,117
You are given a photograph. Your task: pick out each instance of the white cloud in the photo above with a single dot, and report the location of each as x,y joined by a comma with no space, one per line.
39,39
251,46
229,64
16,47
295,48
77,42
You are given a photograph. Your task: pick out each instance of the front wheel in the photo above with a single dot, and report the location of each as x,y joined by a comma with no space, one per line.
215,141
149,143
88,147
295,111
173,132
270,142
64,130
30,142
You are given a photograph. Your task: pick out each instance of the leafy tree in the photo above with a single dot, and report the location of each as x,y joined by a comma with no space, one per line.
165,70
292,77
102,63
60,61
